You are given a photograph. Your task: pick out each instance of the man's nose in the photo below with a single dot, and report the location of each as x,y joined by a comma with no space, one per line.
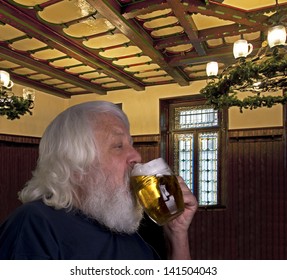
135,157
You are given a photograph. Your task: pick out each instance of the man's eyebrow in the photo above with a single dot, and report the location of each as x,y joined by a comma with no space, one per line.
118,133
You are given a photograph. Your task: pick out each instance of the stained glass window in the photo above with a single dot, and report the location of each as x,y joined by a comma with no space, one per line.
196,150
183,157
208,162
193,117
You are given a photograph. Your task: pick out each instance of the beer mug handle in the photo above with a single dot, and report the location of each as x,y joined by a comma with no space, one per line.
250,47
11,84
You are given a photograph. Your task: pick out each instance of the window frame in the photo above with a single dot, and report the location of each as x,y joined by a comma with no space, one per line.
167,134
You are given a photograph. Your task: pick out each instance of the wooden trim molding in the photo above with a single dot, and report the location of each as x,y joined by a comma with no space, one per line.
260,134
19,139
146,140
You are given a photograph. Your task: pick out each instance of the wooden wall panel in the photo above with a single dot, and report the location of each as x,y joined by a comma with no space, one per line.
18,156
259,193
148,146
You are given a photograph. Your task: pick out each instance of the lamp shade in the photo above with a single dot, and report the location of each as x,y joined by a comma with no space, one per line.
29,93
241,48
212,68
276,36
4,78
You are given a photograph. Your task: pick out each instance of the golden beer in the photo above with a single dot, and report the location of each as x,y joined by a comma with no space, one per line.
160,196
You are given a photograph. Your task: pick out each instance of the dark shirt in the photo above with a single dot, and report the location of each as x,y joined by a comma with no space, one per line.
37,231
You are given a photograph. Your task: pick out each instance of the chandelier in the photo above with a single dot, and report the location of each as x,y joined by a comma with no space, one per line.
13,106
260,75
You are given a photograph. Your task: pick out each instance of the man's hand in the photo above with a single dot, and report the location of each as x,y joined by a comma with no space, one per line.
176,231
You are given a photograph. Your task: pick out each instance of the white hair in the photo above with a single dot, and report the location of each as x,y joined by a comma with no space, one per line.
66,152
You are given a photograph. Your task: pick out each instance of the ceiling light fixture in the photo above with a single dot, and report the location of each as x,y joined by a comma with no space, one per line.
264,73
13,106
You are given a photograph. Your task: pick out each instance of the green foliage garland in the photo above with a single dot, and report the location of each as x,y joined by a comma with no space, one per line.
241,77
13,106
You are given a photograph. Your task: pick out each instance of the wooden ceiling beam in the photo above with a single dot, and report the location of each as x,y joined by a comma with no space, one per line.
139,8
227,30
188,24
111,11
208,34
22,80
34,28
224,12
223,54
163,43
43,68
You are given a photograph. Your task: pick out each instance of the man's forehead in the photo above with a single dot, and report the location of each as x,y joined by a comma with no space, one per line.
113,126
109,121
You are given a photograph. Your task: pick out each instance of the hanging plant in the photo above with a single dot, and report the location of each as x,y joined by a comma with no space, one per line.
259,75
13,106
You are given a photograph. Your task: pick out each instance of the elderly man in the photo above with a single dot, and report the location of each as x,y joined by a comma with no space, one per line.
79,204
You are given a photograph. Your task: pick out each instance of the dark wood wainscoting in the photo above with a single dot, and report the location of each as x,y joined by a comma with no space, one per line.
148,146
18,157
258,192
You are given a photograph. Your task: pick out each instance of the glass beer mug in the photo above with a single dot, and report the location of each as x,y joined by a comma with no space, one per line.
241,48
157,190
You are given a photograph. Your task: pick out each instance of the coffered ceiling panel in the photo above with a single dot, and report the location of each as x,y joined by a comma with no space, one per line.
73,47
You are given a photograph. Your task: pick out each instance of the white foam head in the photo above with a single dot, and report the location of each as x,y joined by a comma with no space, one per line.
154,167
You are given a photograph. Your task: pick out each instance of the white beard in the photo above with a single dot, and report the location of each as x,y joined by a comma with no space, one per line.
110,204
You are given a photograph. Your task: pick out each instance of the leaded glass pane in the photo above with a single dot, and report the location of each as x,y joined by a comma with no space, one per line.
203,148
195,117
208,168
184,157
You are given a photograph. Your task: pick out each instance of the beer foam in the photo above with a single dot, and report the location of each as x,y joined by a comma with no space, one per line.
154,167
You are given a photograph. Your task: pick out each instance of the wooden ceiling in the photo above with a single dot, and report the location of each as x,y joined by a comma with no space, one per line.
74,47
